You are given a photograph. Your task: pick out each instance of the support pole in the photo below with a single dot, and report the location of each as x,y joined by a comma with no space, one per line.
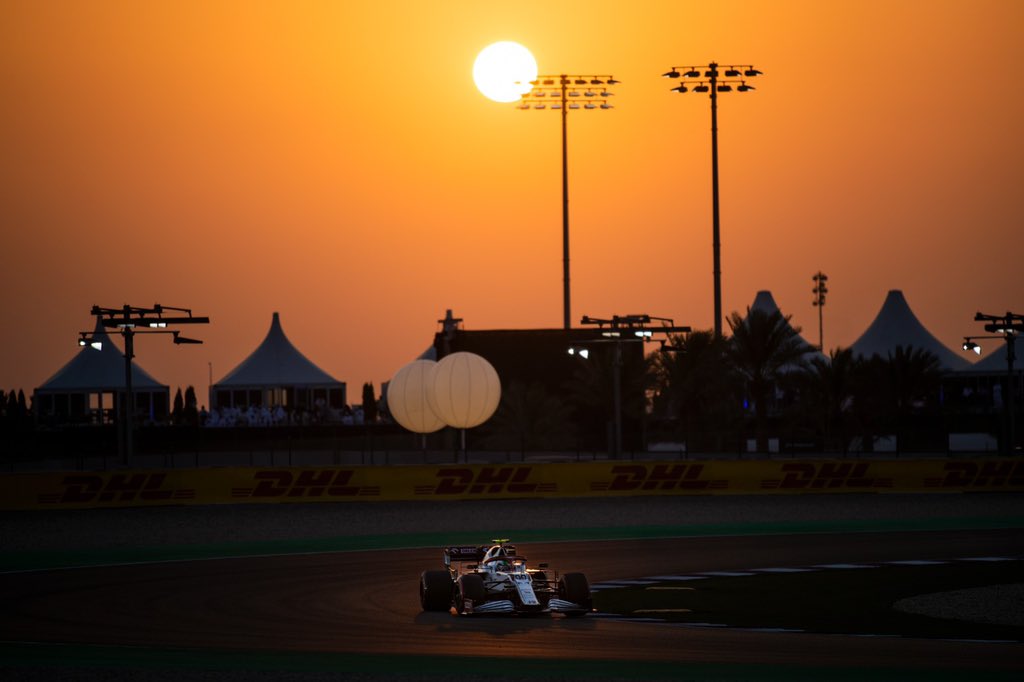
566,316
715,241
129,408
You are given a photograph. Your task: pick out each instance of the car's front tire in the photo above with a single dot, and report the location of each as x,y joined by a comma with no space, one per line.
574,587
469,588
435,590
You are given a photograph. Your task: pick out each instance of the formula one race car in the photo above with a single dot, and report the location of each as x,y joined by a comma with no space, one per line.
495,579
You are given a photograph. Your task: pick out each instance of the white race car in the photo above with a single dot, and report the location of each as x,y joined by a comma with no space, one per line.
494,579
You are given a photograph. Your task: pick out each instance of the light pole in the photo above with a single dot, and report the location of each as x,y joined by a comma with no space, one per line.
709,80
1007,327
127,320
567,90
819,291
617,330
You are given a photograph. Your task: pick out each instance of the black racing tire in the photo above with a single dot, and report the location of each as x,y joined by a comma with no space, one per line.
469,587
575,588
435,590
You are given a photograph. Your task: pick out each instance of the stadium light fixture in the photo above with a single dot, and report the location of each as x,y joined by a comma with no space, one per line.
130,321
712,81
562,88
1007,327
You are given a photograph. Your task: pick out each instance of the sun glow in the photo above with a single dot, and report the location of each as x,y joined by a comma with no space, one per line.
503,71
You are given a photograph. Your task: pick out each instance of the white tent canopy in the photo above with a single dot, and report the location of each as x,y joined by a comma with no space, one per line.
765,302
101,369
896,325
277,373
77,389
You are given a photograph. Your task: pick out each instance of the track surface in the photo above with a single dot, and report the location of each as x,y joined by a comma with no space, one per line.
366,602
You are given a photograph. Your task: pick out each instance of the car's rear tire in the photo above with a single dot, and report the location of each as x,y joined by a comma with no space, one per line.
435,590
469,587
575,588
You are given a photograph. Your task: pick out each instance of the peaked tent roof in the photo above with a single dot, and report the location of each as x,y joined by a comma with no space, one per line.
896,325
97,370
765,302
276,362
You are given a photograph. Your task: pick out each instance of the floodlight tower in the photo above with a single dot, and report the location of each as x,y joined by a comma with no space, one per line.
707,79
819,291
567,91
1007,327
617,330
129,321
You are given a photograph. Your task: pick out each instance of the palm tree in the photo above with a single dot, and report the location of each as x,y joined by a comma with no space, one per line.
764,348
870,395
914,377
695,386
827,395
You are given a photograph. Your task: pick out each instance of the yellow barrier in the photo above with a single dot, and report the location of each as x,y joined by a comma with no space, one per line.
79,490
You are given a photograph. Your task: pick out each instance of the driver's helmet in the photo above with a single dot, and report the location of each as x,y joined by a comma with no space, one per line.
502,565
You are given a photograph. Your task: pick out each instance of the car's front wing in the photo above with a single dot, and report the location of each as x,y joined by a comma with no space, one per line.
554,605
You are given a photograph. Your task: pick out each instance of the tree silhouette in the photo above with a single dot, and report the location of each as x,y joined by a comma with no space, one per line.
870,398
369,404
826,396
914,378
190,413
764,348
178,411
696,386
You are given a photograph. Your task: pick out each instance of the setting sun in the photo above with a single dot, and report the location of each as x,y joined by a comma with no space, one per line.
503,71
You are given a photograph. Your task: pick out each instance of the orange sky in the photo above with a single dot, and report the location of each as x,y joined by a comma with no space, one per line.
334,162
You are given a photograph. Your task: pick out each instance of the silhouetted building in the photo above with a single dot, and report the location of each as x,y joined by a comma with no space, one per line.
540,357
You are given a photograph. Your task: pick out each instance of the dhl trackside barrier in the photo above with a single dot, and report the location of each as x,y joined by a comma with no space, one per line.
78,490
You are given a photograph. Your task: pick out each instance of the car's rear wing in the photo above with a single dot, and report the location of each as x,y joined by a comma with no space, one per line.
470,553
463,554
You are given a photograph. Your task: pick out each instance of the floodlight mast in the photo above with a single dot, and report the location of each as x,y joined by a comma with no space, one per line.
711,82
819,291
637,331
128,320
545,87
1007,327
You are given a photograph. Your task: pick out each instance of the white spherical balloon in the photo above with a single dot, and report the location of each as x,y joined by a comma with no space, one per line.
466,390
408,399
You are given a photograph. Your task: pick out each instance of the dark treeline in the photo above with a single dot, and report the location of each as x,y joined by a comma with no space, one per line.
761,389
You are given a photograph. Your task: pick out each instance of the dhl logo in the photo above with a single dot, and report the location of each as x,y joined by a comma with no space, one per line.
979,475
489,480
90,488
628,477
304,483
826,475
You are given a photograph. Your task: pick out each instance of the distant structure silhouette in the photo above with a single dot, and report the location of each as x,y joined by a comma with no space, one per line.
896,325
277,374
87,388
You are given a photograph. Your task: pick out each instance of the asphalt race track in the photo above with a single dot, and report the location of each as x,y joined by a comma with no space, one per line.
366,603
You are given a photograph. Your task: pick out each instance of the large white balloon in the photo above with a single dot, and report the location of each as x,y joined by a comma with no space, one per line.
408,397
466,390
